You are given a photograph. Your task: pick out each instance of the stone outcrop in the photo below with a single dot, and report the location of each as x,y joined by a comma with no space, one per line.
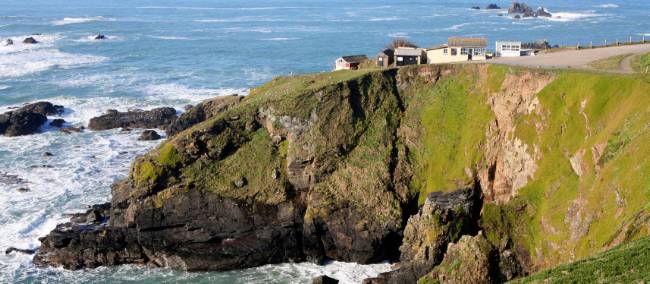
202,112
149,135
155,118
443,219
27,119
30,40
324,279
470,260
525,11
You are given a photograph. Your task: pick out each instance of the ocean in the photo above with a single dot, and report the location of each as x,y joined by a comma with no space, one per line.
175,53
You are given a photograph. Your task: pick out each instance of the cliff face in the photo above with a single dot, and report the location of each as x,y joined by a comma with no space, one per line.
333,165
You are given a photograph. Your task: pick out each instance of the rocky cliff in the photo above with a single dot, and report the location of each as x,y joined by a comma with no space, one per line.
338,165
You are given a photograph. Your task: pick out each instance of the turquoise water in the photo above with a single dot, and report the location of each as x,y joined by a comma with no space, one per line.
173,53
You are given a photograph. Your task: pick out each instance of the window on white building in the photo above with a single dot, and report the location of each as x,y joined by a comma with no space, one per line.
400,59
463,51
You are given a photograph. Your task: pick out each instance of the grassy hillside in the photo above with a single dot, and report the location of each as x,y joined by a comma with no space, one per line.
629,263
587,135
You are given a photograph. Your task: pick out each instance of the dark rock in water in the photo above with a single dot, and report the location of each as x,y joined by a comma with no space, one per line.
48,154
188,107
233,235
27,119
70,130
476,7
80,246
57,122
25,251
492,7
541,12
522,10
111,111
519,8
30,40
443,218
9,42
155,118
17,123
202,112
23,189
149,135
99,36
324,279
44,108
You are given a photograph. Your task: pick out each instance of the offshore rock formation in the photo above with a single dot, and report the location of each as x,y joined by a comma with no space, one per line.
158,117
365,165
525,11
27,119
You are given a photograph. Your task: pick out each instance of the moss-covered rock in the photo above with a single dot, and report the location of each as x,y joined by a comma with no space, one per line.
470,260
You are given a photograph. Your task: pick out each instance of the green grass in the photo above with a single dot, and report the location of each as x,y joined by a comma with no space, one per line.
641,63
615,117
453,116
609,64
628,263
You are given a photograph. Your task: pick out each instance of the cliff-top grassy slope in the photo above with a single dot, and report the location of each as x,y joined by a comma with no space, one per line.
629,263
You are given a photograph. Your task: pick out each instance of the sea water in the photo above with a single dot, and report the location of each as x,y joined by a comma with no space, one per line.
174,53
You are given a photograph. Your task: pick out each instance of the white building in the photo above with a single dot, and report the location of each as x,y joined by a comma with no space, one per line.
351,62
508,48
458,50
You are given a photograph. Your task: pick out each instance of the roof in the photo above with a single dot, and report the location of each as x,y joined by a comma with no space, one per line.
438,47
467,42
408,51
508,42
354,58
386,52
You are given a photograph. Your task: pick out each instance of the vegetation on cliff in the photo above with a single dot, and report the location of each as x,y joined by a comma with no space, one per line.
623,264
333,165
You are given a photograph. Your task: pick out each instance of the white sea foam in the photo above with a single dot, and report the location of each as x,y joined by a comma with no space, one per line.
4,87
28,62
176,8
91,38
401,35
171,37
71,20
281,38
178,92
384,19
609,5
572,16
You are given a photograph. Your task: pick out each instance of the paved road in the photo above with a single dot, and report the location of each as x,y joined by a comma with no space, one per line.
578,59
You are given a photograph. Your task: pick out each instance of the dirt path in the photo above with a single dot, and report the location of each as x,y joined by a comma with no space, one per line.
626,64
577,59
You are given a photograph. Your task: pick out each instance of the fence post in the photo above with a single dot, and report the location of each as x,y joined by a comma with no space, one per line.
617,43
605,43
591,44
630,40
643,39
578,47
